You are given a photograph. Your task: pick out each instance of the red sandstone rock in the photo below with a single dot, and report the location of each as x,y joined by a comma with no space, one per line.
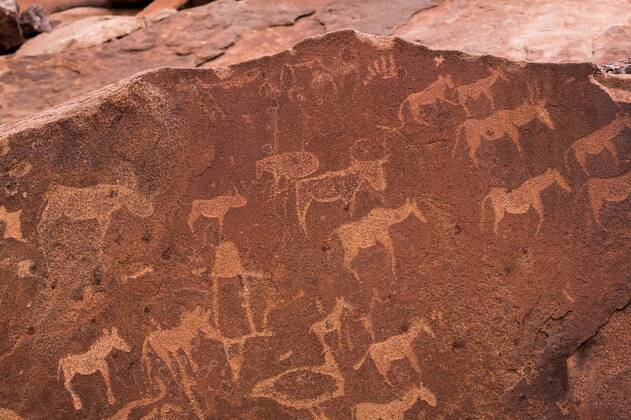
355,228
10,34
33,21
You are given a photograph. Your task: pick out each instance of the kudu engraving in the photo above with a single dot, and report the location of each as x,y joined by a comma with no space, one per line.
93,360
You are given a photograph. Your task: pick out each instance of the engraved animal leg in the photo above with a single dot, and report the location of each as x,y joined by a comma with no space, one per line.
473,142
597,201
411,356
350,252
383,366
76,401
215,301
499,212
513,133
611,147
538,206
386,241
105,372
188,352
581,158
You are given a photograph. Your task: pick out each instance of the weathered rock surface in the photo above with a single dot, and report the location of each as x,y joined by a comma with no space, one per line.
33,21
356,227
83,33
10,34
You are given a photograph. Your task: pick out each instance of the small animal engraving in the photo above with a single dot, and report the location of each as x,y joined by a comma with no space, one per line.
434,92
393,410
521,199
601,190
215,208
92,361
397,347
373,229
599,141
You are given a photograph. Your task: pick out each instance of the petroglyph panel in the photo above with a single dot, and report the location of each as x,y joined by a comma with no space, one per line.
357,228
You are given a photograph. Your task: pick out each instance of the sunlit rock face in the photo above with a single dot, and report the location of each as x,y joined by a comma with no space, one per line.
356,228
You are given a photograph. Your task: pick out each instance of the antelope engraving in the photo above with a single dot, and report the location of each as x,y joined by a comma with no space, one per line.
599,141
393,410
397,347
521,199
287,167
12,224
481,87
500,123
215,208
277,388
97,203
601,190
92,361
373,229
434,92
339,185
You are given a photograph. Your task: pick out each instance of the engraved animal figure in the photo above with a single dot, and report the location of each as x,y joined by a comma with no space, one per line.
397,347
329,371
599,141
215,208
601,190
481,87
93,360
434,92
393,410
97,203
373,229
287,167
521,199
167,343
341,185
12,224
500,123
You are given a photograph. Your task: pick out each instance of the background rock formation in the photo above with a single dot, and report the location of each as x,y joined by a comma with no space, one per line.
355,226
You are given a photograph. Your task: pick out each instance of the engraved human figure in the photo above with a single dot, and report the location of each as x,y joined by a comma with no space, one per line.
93,360
521,199
12,224
397,347
339,185
500,123
434,92
287,167
329,370
97,203
599,141
373,229
481,87
601,190
393,410
215,208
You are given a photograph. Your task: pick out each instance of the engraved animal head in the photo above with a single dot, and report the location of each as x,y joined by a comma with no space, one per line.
410,207
558,178
236,199
538,107
115,340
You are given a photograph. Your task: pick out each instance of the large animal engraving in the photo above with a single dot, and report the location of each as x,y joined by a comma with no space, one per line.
397,347
12,224
521,199
599,141
93,360
287,167
339,185
393,410
434,92
479,88
504,122
373,229
215,208
96,203
602,190
278,388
